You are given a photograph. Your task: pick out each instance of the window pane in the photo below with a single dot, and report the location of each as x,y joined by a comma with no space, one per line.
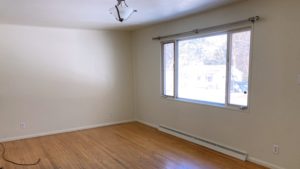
239,68
168,61
202,68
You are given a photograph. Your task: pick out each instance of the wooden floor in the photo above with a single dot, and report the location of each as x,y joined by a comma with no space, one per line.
126,146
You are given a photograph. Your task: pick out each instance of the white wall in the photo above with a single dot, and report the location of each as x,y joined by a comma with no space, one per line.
57,79
274,116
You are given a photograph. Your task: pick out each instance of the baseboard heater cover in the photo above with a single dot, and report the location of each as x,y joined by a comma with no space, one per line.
206,143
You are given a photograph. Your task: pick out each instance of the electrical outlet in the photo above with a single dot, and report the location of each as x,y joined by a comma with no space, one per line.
276,149
22,125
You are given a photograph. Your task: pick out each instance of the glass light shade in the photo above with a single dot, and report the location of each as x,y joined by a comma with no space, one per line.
124,12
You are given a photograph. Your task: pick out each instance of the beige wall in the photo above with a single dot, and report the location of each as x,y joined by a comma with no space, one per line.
57,79
274,116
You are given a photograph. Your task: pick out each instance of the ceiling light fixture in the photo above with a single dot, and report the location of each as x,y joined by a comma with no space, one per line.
121,11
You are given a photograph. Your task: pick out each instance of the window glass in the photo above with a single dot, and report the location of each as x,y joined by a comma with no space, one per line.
168,61
202,68
239,69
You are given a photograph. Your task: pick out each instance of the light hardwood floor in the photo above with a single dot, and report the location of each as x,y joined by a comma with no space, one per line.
125,146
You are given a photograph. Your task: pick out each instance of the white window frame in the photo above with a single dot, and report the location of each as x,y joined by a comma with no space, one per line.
229,33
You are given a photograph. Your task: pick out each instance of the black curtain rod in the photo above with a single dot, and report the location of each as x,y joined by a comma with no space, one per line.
196,31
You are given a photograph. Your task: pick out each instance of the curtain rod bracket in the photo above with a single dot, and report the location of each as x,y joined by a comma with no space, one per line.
196,31
156,38
254,19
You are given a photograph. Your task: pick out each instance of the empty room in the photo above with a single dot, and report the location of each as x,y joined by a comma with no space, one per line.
140,84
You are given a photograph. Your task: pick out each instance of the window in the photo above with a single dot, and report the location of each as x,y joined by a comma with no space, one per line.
168,53
209,69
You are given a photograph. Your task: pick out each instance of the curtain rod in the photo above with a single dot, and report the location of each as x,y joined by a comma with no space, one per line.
196,31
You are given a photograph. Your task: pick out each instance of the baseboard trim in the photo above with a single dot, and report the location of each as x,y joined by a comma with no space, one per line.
224,149
263,163
249,158
64,131
148,124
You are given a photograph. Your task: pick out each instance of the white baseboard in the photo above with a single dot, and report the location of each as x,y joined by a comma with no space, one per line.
263,163
64,131
249,158
148,124
230,151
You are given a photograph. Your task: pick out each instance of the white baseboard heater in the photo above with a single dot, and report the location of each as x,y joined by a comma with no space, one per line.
206,143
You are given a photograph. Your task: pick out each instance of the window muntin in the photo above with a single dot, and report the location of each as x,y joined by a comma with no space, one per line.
212,69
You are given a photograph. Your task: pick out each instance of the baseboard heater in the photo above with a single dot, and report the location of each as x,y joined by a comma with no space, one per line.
206,143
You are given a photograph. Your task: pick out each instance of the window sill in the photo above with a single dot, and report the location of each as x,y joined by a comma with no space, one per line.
208,104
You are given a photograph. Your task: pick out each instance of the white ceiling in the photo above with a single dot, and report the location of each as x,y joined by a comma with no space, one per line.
94,13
